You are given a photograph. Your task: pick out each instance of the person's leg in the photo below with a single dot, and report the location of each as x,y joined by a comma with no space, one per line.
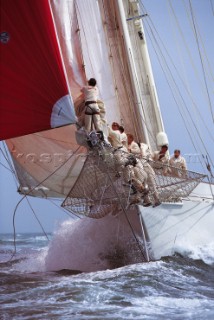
96,121
88,122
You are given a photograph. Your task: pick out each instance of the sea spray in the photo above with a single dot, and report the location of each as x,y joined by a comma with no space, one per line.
197,252
95,244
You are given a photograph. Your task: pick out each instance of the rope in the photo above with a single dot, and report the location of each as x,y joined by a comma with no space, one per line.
202,64
77,10
212,7
37,218
128,221
172,91
25,196
174,82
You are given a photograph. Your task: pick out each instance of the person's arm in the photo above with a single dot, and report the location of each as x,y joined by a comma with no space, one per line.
113,134
184,165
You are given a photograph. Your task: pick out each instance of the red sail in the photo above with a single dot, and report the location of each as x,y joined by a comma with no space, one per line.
34,93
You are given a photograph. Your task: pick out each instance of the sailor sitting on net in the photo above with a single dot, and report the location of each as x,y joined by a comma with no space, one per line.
139,179
143,154
161,160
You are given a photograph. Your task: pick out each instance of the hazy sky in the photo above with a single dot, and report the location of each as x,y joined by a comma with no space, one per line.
164,18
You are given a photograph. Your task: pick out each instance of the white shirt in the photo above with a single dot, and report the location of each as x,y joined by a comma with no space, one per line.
158,163
124,139
115,137
134,148
90,93
180,164
164,159
145,151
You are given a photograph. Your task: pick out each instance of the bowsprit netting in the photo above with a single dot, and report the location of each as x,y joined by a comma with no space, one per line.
104,185
99,187
173,188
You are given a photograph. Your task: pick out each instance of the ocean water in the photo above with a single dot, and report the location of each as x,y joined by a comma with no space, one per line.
177,287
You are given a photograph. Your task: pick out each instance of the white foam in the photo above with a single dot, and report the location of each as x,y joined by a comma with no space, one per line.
196,252
35,262
64,250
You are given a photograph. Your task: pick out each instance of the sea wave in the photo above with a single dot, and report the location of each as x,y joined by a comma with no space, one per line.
197,252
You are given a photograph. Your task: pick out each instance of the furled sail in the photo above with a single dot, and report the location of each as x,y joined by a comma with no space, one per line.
34,92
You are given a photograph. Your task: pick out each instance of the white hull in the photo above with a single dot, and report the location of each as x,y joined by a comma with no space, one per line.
171,224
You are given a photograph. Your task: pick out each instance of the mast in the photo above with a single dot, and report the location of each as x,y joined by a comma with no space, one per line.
131,66
143,84
145,56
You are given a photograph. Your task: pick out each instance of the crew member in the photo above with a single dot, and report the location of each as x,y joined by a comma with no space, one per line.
161,159
178,164
92,111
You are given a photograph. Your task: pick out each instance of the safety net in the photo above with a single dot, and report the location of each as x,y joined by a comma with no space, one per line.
107,181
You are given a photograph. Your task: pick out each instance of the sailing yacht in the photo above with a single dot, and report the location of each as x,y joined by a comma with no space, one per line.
66,43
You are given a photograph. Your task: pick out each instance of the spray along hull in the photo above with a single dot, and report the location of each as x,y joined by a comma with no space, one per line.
189,222
87,244
98,244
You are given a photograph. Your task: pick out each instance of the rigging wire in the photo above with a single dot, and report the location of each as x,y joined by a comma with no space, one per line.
37,218
211,3
124,73
173,16
166,64
65,211
188,91
149,114
209,68
202,64
8,162
121,67
6,167
80,18
180,112
78,30
172,91
194,68
127,219
25,196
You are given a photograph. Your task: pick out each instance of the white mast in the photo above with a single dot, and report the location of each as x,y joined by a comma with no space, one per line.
136,75
145,56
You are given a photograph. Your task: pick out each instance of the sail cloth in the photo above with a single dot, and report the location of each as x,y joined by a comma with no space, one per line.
88,46
34,92
48,163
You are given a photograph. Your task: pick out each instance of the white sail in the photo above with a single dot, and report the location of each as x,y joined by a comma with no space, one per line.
49,161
